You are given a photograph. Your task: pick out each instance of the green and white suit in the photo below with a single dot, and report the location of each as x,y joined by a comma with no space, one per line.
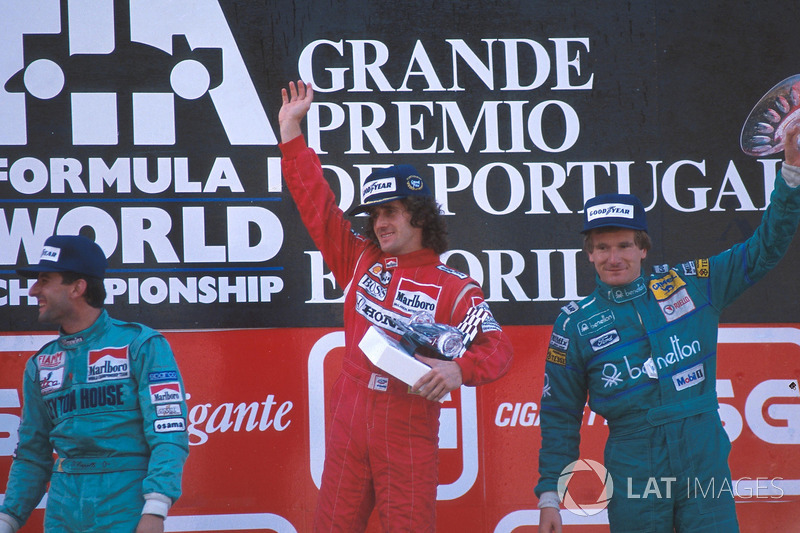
646,355
110,401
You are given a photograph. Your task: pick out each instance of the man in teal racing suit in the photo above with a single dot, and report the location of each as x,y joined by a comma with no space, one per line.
644,350
107,396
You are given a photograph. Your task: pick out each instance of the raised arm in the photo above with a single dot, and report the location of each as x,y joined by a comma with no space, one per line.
296,103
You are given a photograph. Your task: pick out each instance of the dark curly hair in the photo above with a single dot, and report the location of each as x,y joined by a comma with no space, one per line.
425,214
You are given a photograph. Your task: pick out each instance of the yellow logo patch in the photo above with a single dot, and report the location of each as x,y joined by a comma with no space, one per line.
556,356
703,269
666,286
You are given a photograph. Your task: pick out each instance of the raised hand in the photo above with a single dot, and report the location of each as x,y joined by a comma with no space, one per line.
296,103
791,151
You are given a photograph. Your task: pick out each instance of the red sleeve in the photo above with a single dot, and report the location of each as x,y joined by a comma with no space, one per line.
323,219
489,355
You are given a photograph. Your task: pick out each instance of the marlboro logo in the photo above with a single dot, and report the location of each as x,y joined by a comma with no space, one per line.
108,363
166,392
413,297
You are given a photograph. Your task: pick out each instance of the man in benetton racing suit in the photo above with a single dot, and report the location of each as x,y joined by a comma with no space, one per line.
107,397
382,446
645,351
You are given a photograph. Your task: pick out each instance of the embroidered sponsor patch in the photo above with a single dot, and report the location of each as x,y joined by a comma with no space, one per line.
456,273
384,276
616,210
689,268
489,323
168,392
559,342
51,379
170,409
108,363
70,341
677,305
50,360
703,268
601,342
556,356
666,286
661,269
689,377
378,315
379,186
570,308
628,292
169,425
164,375
596,322
379,383
50,253
372,287
412,297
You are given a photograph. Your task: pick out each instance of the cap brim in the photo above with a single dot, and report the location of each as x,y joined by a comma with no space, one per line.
357,210
615,225
34,270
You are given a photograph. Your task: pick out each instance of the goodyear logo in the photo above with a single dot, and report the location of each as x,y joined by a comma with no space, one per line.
666,286
50,253
377,187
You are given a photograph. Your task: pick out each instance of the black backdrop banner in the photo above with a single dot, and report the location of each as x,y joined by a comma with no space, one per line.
152,128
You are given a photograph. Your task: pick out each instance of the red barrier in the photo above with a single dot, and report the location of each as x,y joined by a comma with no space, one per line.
257,418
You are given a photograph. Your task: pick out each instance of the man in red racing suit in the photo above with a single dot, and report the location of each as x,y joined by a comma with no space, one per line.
382,446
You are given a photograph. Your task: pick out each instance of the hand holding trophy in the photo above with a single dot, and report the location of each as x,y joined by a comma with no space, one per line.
765,129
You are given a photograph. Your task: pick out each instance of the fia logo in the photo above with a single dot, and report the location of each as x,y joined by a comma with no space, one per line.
119,70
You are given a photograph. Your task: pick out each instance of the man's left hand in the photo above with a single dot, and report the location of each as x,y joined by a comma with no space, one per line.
443,377
150,523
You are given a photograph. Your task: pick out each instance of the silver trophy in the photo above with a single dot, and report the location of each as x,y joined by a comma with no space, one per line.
424,336
764,130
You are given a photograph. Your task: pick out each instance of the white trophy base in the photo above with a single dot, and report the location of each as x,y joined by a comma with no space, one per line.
386,353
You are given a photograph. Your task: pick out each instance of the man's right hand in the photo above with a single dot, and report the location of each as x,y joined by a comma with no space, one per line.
549,520
791,152
296,103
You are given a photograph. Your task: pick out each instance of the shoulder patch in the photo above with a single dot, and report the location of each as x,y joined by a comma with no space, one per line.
703,268
570,308
665,286
661,269
456,273
556,356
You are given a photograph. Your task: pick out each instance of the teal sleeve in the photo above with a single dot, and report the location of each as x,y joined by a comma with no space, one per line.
739,267
163,418
563,401
33,458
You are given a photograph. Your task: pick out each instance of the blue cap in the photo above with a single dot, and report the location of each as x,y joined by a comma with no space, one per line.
388,184
614,210
69,253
